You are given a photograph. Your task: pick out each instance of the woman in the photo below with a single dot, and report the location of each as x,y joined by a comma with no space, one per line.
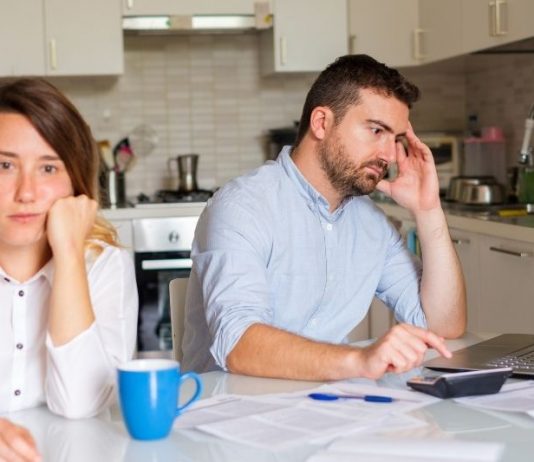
68,299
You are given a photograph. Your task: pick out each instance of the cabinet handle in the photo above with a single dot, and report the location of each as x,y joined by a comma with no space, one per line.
501,17
283,51
53,54
417,44
129,4
515,253
461,241
498,17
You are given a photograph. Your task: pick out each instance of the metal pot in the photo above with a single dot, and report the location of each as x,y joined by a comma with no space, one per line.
458,184
482,194
187,172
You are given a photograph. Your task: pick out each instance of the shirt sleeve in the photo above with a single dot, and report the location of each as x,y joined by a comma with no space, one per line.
400,282
230,254
80,376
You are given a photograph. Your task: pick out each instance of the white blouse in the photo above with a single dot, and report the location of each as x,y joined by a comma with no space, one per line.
76,379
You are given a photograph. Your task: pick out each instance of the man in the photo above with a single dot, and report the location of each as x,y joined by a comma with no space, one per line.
287,259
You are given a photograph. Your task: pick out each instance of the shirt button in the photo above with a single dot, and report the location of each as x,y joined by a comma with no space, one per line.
313,321
21,293
7,280
20,346
329,226
17,392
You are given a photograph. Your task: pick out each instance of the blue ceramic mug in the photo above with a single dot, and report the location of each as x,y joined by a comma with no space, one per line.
149,396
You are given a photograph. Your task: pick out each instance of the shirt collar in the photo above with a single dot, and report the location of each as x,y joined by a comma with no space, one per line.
47,271
313,198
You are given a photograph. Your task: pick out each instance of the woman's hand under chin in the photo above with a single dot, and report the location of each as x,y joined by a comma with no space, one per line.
69,222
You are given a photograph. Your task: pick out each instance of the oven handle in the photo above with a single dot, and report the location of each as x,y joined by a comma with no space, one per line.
169,263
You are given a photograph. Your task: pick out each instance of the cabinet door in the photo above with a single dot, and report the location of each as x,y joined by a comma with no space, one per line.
186,7
507,289
467,248
307,35
488,23
384,29
440,29
21,38
83,38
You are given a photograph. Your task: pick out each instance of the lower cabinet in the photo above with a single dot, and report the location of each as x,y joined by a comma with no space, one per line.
506,286
467,248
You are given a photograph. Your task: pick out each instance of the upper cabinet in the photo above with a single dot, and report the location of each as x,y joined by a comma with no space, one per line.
440,29
83,38
387,30
455,27
21,38
487,23
61,37
307,35
186,7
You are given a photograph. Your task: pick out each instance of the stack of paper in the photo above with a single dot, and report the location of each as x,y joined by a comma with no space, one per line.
282,420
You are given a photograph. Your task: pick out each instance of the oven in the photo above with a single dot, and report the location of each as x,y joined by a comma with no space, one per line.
162,252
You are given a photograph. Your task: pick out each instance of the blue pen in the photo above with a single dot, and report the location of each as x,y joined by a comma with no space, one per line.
368,398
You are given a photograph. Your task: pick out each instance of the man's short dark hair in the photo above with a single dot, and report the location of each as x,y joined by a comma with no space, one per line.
338,86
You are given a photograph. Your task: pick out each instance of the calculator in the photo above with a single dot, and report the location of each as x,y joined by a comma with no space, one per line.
456,384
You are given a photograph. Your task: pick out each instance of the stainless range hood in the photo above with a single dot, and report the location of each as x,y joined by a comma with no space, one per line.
196,23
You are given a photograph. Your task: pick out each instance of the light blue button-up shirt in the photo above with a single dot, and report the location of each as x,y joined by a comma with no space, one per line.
267,250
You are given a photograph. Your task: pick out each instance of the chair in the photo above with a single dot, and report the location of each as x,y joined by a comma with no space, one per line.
177,293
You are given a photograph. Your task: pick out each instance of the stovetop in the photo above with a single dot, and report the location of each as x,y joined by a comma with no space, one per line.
170,197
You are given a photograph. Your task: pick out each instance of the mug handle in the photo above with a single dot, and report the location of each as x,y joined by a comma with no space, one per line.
198,391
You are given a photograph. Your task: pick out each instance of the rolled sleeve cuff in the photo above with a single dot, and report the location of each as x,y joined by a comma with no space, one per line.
229,334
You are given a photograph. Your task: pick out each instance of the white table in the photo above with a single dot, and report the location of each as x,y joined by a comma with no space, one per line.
105,438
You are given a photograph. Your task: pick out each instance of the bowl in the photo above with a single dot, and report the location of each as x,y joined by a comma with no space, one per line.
458,183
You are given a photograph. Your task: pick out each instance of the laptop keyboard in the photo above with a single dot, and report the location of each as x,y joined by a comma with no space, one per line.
524,361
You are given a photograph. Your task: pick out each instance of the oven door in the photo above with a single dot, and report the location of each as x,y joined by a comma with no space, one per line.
154,271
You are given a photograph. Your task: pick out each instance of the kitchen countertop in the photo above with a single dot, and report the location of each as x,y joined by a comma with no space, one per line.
179,209
517,228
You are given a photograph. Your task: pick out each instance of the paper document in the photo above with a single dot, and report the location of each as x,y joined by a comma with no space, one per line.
513,397
376,449
277,421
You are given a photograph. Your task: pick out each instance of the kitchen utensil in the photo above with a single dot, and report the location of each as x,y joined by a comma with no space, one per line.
143,140
187,172
458,183
106,154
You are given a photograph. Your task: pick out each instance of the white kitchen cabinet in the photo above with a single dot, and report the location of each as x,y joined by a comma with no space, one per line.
487,23
83,38
21,38
507,288
61,37
387,30
467,247
307,35
440,30
186,7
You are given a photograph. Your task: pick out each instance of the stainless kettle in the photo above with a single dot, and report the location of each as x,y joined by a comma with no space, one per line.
187,172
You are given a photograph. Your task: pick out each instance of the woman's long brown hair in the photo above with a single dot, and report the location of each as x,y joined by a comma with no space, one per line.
64,129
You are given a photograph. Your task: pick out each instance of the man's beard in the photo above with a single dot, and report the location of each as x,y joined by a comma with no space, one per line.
347,178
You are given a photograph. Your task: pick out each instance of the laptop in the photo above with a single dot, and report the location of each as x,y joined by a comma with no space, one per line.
505,350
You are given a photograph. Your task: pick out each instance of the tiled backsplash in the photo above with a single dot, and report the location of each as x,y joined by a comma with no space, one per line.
500,89
204,94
